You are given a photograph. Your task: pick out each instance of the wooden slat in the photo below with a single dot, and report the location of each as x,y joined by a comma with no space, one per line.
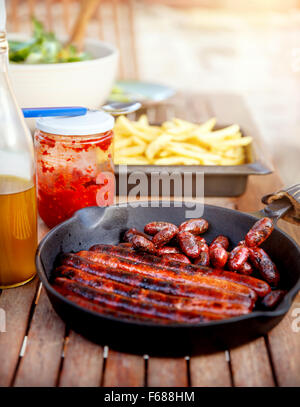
14,14
16,303
66,8
114,6
83,363
210,371
41,362
284,342
124,370
251,366
167,372
49,14
285,349
100,21
132,39
31,7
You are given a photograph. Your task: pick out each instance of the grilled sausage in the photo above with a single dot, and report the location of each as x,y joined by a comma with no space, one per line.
116,302
218,256
151,296
130,233
220,240
272,299
82,302
260,287
203,259
177,273
189,244
168,250
246,269
237,258
143,244
259,232
262,262
165,235
186,288
154,227
126,245
175,257
194,226
200,239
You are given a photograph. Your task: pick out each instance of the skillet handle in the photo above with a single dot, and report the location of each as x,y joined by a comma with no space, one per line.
286,198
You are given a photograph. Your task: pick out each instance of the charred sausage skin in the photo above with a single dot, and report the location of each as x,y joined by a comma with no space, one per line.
178,288
237,258
164,235
259,232
272,299
262,262
143,244
194,226
154,227
260,287
189,244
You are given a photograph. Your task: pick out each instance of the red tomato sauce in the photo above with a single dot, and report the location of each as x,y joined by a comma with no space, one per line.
67,175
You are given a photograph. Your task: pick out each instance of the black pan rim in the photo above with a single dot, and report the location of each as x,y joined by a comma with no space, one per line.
284,306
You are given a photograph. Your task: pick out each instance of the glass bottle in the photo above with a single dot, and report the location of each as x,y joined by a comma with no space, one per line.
18,224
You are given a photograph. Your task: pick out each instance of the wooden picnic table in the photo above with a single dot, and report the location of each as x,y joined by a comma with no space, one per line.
38,349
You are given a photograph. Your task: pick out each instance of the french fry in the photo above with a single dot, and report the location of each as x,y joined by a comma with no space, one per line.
178,142
122,142
176,160
157,145
207,126
143,120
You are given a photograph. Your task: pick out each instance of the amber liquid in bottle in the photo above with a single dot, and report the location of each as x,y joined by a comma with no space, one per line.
18,231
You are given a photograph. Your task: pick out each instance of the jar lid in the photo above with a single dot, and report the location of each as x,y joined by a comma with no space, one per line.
93,122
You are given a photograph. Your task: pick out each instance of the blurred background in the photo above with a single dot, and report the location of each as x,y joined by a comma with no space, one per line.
211,46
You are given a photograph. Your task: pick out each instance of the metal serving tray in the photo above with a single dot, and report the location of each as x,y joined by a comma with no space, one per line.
219,180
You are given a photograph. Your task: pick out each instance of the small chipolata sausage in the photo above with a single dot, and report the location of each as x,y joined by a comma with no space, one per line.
259,232
238,257
218,256
143,244
272,299
221,240
262,262
165,235
189,244
130,233
203,259
194,226
153,227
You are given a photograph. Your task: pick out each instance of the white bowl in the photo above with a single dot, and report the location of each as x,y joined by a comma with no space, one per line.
85,83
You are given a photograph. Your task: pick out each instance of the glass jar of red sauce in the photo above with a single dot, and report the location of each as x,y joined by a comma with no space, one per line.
74,164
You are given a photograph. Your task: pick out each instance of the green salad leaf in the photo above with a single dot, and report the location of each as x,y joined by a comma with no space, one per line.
43,48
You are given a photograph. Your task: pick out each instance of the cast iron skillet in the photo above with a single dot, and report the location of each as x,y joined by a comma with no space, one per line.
105,225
